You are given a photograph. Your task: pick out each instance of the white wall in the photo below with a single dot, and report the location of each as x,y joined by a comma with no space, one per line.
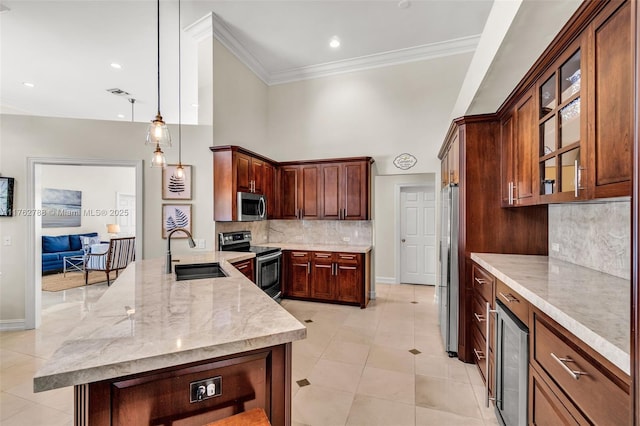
27,136
99,186
385,222
379,112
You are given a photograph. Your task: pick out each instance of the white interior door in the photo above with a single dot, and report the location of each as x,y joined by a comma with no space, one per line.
126,207
418,235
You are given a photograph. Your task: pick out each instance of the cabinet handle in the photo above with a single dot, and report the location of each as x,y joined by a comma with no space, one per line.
308,268
573,373
299,254
576,178
509,298
479,280
480,318
322,255
242,266
509,199
488,312
343,256
480,356
351,268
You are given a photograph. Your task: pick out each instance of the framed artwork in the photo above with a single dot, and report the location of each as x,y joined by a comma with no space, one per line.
63,207
174,187
6,196
176,216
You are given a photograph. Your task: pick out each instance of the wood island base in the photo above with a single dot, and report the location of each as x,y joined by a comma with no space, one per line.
254,379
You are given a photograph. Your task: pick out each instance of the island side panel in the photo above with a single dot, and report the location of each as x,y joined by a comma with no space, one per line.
260,378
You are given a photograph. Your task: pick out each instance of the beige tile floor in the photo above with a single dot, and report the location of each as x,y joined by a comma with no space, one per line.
357,362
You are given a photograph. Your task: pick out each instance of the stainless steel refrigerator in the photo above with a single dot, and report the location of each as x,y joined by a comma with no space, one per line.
447,290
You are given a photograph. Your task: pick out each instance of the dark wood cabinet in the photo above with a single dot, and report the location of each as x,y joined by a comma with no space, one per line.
247,268
236,170
288,192
608,173
483,353
260,378
297,274
269,185
345,190
327,276
300,192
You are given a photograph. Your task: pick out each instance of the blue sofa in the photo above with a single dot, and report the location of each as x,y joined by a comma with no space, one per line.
54,249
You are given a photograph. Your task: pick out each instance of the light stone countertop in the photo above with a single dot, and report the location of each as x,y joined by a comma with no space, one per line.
147,320
592,305
320,247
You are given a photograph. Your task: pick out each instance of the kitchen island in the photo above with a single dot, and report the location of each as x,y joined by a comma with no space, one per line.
155,350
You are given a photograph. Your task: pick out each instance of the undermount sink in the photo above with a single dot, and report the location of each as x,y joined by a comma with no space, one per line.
198,271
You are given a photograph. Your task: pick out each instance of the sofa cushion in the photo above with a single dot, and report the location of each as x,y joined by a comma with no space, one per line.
55,244
50,257
75,240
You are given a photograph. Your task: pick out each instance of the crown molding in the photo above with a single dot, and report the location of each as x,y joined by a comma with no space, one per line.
211,25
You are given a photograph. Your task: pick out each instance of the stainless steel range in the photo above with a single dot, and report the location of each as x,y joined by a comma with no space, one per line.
268,260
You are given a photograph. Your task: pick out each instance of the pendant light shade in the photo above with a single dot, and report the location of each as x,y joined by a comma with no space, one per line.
158,159
158,132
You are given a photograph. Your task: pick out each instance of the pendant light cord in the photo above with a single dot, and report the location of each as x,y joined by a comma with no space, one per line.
158,26
179,90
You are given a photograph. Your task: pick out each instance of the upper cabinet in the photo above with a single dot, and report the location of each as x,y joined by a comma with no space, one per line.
238,170
332,189
566,132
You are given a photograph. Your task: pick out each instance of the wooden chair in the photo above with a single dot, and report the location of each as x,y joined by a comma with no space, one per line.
120,253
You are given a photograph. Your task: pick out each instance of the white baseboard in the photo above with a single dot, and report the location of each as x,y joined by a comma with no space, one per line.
8,325
386,280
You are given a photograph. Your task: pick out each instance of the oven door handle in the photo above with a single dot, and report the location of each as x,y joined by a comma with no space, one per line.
268,257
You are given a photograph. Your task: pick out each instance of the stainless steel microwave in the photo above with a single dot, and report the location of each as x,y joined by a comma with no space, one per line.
251,207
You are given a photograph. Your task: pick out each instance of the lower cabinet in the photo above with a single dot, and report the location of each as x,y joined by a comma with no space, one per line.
246,267
327,276
230,385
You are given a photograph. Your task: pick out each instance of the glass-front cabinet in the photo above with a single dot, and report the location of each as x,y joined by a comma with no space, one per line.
562,128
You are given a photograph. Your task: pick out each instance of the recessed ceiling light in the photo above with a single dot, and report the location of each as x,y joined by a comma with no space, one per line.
25,83
120,115
334,43
404,4
116,66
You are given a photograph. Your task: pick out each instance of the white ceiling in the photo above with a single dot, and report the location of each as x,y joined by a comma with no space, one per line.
65,47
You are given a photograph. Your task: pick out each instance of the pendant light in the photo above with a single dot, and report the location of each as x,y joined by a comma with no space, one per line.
158,132
179,173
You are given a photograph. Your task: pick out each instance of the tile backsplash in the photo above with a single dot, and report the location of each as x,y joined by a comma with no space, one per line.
595,235
333,232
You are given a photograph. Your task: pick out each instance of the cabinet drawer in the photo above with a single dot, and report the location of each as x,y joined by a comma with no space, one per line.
479,354
513,301
478,315
483,282
322,255
602,396
300,255
348,258
548,405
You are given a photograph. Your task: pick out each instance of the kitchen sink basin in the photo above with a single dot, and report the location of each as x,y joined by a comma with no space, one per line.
198,271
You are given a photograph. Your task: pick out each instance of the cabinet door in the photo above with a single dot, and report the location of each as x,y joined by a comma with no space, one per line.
330,184
355,197
270,190
246,267
506,162
525,149
545,407
299,271
308,192
243,172
257,175
289,192
611,107
322,277
349,277
453,158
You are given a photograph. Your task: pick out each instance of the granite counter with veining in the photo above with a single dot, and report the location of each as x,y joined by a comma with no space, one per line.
592,305
147,320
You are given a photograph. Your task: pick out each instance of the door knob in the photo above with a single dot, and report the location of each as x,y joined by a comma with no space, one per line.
403,240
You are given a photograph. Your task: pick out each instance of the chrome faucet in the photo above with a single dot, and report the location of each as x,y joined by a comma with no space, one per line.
192,244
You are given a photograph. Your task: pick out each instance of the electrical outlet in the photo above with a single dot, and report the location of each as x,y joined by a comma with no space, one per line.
346,239
205,389
555,247
6,241
201,243
299,237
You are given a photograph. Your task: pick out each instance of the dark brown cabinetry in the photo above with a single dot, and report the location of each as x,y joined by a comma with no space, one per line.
236,170
482,333
327,276
567,128
260,378
247,268
331,190
484,225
